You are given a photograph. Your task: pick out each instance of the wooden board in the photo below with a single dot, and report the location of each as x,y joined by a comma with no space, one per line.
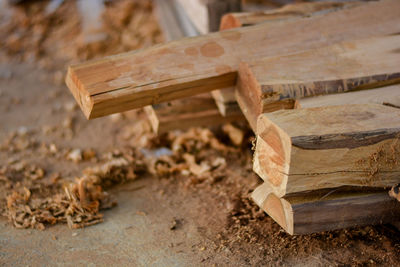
276,82
328,147
287,12
325,210
225,98
200,64
183,114
387,95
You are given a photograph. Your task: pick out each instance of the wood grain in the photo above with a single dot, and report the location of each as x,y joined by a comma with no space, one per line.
200,64
328,147
343,67
330,209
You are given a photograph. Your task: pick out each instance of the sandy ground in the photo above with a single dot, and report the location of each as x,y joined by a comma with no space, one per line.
181,219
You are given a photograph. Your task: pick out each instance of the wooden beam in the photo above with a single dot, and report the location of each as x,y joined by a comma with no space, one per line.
225,98
330,209
276,82
200,64
183,114
388,95
328,147
285,13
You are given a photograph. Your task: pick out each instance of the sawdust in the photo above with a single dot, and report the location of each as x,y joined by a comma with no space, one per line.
60,36
386,157
34,202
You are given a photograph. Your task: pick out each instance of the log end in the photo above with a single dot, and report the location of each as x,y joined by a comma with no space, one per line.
275,207
272,155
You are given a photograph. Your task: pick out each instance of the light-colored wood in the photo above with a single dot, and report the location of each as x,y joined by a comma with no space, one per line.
387,95
287,12
347,66
225,98
328,147
200,64
325,210
183,114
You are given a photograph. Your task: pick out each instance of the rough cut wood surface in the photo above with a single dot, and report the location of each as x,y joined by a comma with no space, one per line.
185,113
347,66
328,147
388,95
325,210
196,65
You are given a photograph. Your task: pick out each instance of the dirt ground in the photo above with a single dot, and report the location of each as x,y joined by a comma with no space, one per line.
181,199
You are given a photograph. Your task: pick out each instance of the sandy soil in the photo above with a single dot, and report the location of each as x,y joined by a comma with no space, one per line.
190,212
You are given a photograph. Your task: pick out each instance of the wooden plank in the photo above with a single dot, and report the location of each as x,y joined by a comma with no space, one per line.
276,82
287,12
387,95
185,113
196,65
325,210
328,147
225,98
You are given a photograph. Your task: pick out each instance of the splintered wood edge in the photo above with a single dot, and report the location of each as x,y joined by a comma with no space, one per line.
277,208
84,100
272,155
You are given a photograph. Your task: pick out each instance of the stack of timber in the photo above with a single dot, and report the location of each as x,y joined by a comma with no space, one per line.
326,168
319,86
201,64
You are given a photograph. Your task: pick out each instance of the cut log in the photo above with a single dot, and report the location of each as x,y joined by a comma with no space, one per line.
196,65
287,12
276,82
182,114
325,210
328,147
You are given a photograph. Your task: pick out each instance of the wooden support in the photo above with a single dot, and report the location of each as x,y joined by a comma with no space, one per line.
182,114
328,147
276,82
330,209
200,64
285,13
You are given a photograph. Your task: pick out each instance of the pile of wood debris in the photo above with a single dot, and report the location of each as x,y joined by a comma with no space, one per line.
35,199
